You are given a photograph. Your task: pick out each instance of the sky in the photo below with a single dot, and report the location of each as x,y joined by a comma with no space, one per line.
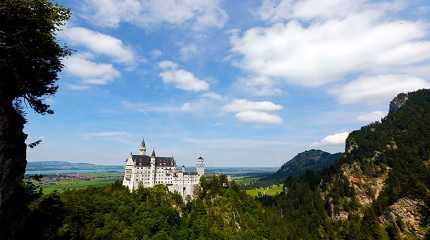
241,83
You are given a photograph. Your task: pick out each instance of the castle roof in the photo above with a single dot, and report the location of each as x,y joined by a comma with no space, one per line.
145,161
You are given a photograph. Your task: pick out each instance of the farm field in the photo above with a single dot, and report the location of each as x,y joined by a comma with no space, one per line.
81,182
268,191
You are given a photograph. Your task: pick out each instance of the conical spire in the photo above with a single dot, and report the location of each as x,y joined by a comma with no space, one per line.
153,153
142,147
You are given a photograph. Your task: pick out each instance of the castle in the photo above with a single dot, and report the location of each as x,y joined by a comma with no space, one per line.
142,170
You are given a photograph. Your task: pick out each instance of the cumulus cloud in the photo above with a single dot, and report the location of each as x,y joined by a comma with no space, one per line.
180,78
90,73
371,116
242,105
380,88
334,139
316,42
99,43
254,111
258,117
201,14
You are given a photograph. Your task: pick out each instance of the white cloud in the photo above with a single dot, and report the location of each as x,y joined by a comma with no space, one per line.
371,116
276,10
326,52
334,139
187,107
380,88
90,73
315,42
146,107
213,96
259,86
258,117
167,65
180,78
108,134
254,111
156,53
241,105
201,14
190,106
99,43
188,51
118,136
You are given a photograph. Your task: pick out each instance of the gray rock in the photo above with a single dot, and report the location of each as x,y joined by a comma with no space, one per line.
398,102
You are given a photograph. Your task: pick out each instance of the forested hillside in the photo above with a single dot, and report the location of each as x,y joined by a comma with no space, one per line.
380,186
311,160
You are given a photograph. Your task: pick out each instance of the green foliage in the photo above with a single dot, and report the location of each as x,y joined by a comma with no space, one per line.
221,211
30,57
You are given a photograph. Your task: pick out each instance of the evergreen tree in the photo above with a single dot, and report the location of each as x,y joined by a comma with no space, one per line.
30,59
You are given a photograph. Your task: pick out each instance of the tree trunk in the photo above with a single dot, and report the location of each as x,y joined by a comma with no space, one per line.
12,164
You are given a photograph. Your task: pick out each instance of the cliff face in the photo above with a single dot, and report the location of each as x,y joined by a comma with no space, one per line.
384,173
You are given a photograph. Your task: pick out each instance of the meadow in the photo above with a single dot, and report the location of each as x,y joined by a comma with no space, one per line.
272,190
87,180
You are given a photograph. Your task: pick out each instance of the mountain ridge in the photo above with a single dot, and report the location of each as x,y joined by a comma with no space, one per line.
309,160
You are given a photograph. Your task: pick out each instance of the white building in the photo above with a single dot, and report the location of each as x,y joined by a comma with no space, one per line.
142,170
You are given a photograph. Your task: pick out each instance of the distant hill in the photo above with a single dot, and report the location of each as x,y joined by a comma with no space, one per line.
311,160
45,165
63,167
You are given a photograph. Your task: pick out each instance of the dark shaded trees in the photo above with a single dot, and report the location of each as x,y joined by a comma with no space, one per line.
30,59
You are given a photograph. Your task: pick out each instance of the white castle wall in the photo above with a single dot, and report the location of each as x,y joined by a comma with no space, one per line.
176,180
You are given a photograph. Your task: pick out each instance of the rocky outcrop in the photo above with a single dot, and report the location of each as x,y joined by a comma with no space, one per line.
406,216
366,187
398,102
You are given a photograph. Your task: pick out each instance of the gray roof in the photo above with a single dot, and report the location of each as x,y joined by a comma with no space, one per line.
144,161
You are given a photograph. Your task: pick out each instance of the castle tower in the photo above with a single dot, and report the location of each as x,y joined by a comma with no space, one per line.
142,147
200,166
153,170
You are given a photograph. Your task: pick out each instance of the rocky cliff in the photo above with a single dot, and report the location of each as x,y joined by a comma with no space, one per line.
384,176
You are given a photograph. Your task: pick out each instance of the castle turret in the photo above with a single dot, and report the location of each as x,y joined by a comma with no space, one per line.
142,148
153,170
200,166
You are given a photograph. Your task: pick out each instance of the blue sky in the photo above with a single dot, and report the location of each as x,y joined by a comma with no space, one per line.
242,83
